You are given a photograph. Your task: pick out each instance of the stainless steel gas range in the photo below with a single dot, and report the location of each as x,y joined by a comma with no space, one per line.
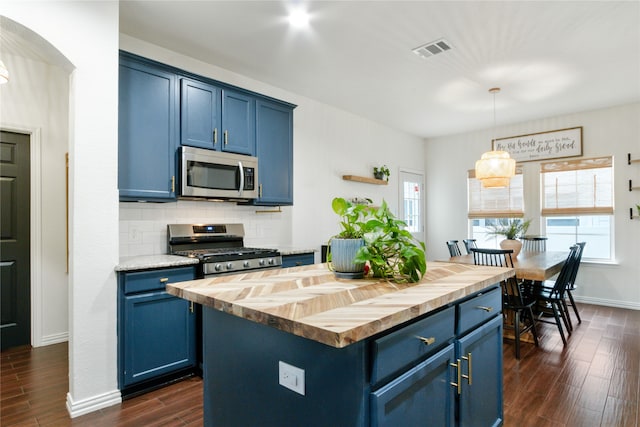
220,248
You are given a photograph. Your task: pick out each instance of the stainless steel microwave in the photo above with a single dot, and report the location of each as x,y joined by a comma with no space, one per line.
217,175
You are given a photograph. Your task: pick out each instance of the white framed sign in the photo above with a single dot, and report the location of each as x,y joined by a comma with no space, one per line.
542,145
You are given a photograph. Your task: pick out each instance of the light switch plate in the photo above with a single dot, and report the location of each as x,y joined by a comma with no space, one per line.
291,377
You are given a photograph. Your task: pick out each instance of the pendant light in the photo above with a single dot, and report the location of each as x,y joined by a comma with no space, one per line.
4,73
495,168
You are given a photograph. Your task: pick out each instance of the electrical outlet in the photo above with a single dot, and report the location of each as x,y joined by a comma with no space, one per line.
291,377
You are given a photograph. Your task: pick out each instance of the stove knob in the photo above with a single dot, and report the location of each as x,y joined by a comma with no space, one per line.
218,267
246,264
261,262
229,266
271,261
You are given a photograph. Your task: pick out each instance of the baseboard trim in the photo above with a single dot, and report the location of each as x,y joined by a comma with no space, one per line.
93,403
607,302
53,339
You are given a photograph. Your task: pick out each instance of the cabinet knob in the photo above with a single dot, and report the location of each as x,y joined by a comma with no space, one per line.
427,341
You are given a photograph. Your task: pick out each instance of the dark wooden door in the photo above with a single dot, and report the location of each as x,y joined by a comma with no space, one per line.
15,283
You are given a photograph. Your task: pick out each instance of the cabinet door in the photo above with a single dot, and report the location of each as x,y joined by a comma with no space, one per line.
147,132
159,336
481,398
422,396
200,114
274,145
239,123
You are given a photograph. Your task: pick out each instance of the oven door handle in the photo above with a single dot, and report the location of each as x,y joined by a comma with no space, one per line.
241,178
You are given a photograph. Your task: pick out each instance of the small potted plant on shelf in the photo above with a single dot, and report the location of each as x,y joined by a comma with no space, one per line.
511,229
381,172
638,209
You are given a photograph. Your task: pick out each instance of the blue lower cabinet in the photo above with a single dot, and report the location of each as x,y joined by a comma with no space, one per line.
297,260
481,395
156,331
422,396
420,374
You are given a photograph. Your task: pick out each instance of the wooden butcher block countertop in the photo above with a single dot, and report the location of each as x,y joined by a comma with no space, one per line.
310,302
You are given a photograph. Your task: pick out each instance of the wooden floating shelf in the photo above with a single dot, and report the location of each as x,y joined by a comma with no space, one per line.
631,215
364,179
629,160
631,187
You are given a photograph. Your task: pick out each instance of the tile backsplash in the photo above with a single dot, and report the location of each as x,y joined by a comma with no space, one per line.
143,226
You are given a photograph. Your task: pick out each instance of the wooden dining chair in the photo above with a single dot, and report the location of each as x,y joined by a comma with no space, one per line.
454,249
514,300
469,243
571,286
534,243
550,296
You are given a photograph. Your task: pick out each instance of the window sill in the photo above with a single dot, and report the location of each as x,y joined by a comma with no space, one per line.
611,262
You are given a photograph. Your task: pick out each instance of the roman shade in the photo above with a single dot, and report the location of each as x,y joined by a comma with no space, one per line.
502,202
577,187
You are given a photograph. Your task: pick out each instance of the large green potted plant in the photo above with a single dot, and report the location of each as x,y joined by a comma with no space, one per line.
390,249
344,246
511,229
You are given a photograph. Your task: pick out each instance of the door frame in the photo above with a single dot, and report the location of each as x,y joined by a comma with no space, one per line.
424,198
35,224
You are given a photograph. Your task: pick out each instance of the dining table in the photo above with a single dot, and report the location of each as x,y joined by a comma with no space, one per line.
536,266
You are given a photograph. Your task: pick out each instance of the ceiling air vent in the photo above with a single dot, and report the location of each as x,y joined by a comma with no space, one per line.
432,48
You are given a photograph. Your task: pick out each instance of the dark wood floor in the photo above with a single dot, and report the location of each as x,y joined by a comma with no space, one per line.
594,381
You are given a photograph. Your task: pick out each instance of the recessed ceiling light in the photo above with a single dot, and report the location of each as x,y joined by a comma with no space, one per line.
298,18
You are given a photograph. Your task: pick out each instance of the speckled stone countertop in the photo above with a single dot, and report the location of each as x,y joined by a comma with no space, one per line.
310,302
146,262
291,250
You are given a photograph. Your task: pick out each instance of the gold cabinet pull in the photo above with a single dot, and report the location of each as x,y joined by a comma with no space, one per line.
458,374
164,279
215,136
468,377
260,190
226,137
173,184
427,341
191,306
487,309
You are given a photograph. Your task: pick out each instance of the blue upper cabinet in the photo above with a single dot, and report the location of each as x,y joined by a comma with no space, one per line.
238,122
274,149
147,131
215,118
200,114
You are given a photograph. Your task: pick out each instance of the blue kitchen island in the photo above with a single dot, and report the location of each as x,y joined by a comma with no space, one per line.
298,347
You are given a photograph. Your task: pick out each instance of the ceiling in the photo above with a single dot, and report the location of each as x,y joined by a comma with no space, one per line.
549,58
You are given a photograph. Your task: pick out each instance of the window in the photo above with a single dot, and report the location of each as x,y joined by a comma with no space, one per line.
411,202
487,205
577,205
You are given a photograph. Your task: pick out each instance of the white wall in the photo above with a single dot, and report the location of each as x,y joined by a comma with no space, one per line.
36,101
612,131
86,34
328,143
